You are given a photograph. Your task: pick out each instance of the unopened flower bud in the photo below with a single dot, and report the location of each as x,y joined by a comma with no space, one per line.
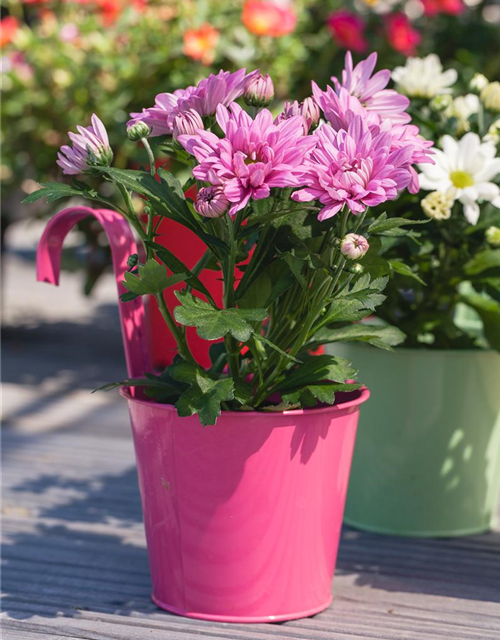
356,268
354,246
132,260
259,90
478,83
490,96
437,205
441,102
187,123
137,131
493,134
311,112
493,236
211,202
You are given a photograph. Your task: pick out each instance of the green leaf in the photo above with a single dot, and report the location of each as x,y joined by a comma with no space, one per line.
489,312
391,226
383,337
152,278
205,392
177,266
323,393
53,191
354,302
275,347
211,323
317,369
483,261
404,270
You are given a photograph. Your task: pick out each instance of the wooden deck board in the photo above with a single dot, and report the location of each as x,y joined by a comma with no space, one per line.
75,563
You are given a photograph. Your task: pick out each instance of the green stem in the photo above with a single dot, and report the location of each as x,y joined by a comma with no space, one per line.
230,342
174,329
151,156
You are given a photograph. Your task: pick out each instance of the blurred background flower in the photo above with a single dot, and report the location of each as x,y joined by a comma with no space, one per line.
62,61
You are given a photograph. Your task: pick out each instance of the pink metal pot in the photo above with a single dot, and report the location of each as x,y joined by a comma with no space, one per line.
242,518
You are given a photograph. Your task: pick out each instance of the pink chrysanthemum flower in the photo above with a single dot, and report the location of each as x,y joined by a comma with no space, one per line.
90,148
355,168
160,118
253,157
406,136
308,109
222,88
371,90
339,109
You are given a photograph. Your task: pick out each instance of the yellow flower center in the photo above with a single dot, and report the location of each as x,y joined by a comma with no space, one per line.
461,179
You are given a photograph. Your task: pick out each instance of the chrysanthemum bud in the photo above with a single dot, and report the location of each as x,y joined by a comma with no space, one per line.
138,131
259,90
490,96
354,246
478,83
211,202
311,112
437,205
187,123
493,134
356,268
132,260
493,236
441,102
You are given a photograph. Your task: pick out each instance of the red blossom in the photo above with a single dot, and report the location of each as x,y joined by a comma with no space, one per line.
449,7
348,30
401,35
8,29
267,18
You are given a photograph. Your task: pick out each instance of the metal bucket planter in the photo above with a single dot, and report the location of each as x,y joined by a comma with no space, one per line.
242,518
427,457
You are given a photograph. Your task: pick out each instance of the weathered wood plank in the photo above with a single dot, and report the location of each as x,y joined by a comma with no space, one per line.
75,563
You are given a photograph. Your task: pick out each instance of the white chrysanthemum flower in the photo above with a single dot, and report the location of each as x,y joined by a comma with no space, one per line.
490,96
464,169
462,108
424,77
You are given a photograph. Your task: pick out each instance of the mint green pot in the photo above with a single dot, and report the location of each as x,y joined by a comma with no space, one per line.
427,456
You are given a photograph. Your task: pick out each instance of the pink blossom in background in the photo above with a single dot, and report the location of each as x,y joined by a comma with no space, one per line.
253,157
348,30
90,147
69,32
401,35
449,7
355,168
269,17
371,89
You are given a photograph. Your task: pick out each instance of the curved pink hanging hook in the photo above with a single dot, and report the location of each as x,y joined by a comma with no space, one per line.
122,245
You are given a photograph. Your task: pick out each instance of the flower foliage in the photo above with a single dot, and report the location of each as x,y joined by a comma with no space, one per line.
445,286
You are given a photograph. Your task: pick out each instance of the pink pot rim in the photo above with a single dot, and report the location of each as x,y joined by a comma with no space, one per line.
363,392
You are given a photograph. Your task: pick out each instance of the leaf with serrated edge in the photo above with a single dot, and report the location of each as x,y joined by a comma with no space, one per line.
212,324
152,278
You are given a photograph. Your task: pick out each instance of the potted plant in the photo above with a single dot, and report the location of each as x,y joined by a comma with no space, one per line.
435,418
243,465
